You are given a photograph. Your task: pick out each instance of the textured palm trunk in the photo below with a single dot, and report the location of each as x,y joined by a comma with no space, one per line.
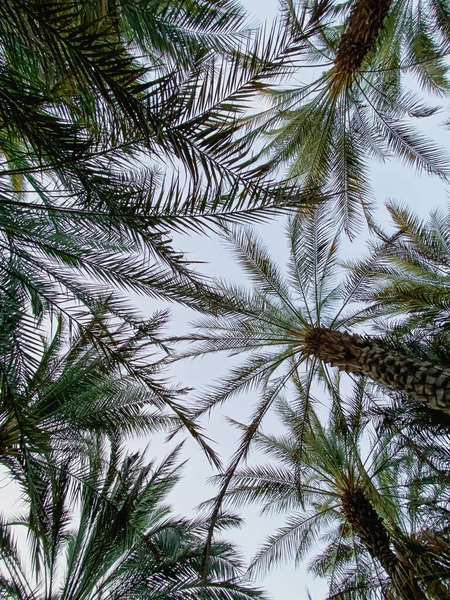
420,379
360,34
368,526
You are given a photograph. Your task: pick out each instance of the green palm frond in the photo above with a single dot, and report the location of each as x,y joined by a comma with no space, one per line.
268,321
183,30
79,385
121,121
408,271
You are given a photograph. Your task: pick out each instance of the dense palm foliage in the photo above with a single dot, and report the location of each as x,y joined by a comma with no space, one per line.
117,128
97,98
55,403
357,103
123,543
68,146
306,315
304,321
123,122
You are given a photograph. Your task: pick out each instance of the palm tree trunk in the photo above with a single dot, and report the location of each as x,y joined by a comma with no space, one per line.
370,529
420,379
360,34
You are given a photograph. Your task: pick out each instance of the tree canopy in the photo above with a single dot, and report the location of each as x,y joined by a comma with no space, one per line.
126,122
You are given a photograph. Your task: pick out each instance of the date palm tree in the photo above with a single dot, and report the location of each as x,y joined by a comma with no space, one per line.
121,541
356,106
358,494
283,321
306,320
71,389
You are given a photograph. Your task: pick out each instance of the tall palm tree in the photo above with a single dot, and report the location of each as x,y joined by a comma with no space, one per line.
306,316
358,494
357,106
303,320
120,542
406,288
391,33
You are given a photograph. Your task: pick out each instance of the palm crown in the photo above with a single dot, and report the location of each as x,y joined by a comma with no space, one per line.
69,392
365,499
282,322
358,109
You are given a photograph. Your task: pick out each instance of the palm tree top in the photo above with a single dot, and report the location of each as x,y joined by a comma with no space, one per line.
358,105
353,489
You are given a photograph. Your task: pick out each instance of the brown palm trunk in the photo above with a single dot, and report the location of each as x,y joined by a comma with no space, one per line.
360,34
369,527
420,379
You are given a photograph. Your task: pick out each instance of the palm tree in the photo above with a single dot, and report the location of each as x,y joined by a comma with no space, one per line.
327,131
283,321
391,31
358,494
120,542
303,320
406,288
54,402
